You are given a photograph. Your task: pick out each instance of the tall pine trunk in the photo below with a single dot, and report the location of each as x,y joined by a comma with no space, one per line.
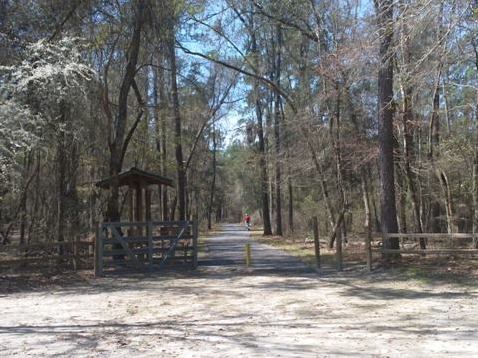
213,183
163,119
277,133
385,123
181,174
475,161
266,218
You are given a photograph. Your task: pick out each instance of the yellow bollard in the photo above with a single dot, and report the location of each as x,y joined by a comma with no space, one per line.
248,255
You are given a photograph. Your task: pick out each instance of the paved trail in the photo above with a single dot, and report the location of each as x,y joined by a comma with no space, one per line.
277,308
227,251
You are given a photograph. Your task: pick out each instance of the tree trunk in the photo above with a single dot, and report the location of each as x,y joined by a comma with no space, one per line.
213,183
448,201
433,142
118,145
266,218
61,187
437,177
174,204
377,223
277,133
266,215
73,207
291,202
335,135
408,157
163,114
181,175
475,161
402,204
36,202
366,204
315,228
434,126
475,176
157,126
323,183
23,201
336,235
367,218
385,123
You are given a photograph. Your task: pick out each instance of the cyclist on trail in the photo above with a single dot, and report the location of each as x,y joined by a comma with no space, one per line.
247,221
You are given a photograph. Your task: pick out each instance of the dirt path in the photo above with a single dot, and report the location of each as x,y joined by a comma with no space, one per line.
278,308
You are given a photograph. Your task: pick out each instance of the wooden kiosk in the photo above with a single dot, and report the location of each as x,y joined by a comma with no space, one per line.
141,243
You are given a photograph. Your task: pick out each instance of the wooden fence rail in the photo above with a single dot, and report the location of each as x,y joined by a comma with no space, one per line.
447,239
47,252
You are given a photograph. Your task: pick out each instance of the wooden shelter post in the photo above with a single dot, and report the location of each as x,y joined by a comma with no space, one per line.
130,204
139,203
130,208
147,194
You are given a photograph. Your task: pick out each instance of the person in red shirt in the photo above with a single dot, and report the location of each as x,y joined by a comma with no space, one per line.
247,221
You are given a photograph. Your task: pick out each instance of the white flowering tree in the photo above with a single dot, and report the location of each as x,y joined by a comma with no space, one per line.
41,101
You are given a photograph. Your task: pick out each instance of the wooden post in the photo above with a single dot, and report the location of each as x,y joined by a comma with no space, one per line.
368,250
147,194
99,252
139,208
149,231
248,255
130,231
139,203
131,203
160,207
315,227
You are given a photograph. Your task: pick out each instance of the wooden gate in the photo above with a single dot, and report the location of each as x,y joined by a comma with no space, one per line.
145,246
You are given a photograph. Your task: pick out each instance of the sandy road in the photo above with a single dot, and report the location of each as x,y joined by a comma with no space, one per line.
278,308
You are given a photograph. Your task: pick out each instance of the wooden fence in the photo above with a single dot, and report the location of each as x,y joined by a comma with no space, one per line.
78,253
145,246
436,244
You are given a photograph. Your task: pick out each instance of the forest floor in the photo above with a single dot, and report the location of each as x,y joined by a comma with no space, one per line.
431,268
278,307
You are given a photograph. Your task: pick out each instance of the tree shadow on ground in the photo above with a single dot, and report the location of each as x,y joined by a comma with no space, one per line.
205,331
248,337
356,282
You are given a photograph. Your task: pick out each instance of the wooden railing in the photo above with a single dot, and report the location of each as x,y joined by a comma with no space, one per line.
21,255
145,246
447,244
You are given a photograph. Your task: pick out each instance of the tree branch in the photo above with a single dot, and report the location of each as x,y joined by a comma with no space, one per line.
137,93
64,21
212,114
130,135
244,72
308,34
